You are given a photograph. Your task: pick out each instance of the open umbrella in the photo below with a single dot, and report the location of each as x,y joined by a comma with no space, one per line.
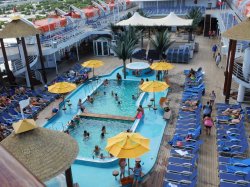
154,86
162,66
93,64
24,125
62,88
44,152
128,145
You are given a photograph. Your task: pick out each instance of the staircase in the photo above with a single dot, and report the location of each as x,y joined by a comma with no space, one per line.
18,68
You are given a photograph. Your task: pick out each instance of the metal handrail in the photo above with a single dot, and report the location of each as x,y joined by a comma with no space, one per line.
238,72
18,64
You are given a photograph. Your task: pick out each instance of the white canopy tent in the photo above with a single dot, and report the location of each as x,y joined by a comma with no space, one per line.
136,20
172,20
175,21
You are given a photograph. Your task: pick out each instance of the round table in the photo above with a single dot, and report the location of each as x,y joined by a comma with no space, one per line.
138,68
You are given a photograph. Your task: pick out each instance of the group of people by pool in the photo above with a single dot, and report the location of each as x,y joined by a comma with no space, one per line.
97,149
74,122
137,170
115,95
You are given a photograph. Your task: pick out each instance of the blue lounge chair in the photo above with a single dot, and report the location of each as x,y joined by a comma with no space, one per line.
231,183
184,175
182,183
176,160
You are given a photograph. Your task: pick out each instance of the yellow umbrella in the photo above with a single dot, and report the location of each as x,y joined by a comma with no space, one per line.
162,66
128,145
93,64
24,125
62,88
154,86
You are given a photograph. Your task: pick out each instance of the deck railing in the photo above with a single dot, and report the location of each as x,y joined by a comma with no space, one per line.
238,72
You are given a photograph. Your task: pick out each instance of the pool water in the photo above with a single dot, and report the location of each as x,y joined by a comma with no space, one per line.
99,174
94,126
105,102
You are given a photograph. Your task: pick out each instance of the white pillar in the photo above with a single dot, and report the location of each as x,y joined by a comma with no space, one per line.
241,94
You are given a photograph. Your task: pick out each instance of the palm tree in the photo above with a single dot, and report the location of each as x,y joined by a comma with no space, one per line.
195,14
161,42
125,45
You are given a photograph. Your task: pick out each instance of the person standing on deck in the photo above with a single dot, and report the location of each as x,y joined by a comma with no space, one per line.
214,50
218,59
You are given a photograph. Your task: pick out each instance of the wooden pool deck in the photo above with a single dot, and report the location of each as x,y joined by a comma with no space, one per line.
106,116
207,162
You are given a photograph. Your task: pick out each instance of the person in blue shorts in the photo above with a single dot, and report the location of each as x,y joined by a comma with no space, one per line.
137,174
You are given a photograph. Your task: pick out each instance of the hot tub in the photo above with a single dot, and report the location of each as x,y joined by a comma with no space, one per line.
138,68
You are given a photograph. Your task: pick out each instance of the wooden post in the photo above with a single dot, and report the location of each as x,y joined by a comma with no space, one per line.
6,64
27,61
41,58
230,72
226,72
69,179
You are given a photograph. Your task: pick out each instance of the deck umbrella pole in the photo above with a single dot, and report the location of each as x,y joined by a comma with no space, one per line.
154,102
68,176
93,72
128,167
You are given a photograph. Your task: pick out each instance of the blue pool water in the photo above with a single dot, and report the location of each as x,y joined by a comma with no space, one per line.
94,126
105,102
151,126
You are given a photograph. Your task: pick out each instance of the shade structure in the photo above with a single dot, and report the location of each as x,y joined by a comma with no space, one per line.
44,152
24,125
13,173
162,66
93,64
171,20
137,20
128,145
240,31
61,87
154,86
18,27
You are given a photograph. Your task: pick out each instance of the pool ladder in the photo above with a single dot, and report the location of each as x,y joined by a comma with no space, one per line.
58,122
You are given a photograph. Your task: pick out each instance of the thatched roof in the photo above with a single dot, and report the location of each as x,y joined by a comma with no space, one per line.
13,173
44,152
239,32
18,28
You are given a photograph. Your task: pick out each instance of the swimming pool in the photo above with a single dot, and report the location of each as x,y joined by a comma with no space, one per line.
89,174
94,126
105,102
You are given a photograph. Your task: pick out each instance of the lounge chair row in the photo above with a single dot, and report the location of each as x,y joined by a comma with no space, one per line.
232,145
11,113
76,74
182,164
